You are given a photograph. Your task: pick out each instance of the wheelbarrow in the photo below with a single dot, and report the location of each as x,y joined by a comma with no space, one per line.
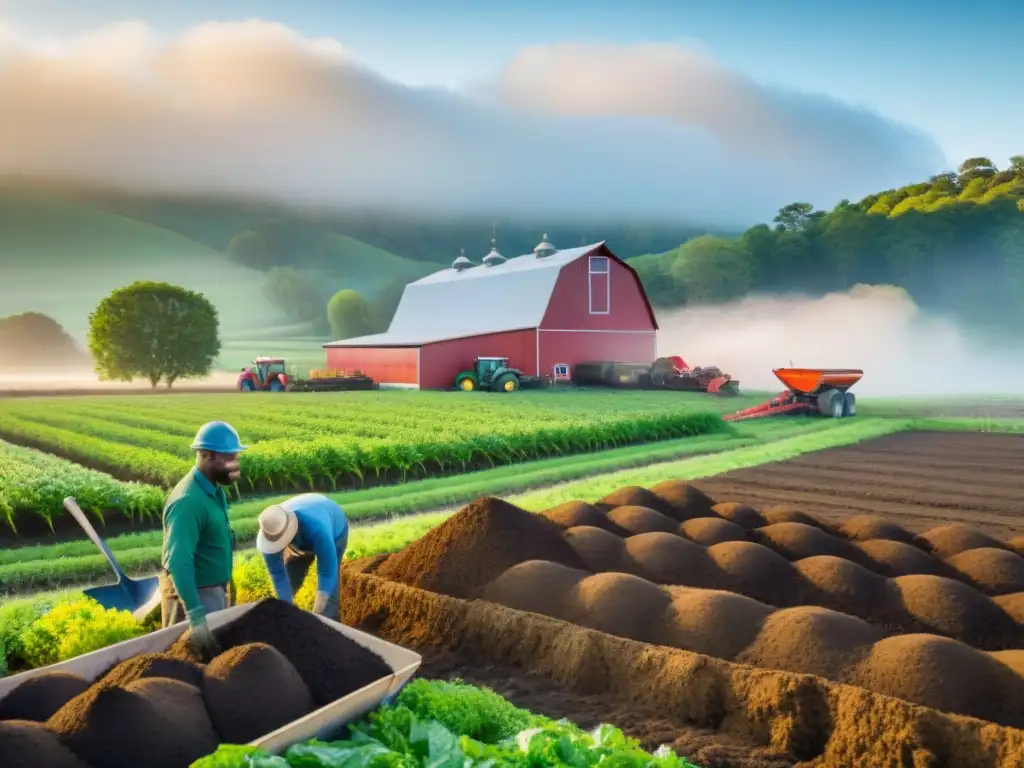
140,596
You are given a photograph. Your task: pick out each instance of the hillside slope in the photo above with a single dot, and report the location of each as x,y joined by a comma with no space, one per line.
61,259
295,240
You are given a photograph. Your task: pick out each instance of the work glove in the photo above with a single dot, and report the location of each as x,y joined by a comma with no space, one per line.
202,642
324,606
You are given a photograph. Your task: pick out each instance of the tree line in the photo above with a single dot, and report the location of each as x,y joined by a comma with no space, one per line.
954,242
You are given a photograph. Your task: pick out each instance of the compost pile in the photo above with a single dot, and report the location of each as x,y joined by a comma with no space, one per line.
165,710
776,590
476,545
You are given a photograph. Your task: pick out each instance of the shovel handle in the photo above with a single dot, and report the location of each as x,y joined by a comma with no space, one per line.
76,512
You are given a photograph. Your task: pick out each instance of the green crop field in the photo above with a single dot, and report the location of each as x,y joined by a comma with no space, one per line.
45,565
325,441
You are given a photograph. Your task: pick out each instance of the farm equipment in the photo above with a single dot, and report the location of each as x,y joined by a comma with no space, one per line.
664,373
809,391
492,374
269,374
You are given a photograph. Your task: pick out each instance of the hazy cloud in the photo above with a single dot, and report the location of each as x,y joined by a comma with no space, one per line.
254,107
902,349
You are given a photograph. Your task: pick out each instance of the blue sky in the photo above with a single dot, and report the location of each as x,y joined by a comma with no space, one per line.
947,68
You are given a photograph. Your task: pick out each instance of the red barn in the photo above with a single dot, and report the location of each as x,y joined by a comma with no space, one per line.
546,311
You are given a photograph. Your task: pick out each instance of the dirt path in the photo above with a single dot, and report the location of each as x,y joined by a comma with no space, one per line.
919,479
705,747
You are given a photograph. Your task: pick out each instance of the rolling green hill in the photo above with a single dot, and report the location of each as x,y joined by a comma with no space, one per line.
61,256
61,259
295,240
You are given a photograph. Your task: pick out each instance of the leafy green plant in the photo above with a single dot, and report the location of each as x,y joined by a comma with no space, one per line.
35,483
73,629
479,713
404,735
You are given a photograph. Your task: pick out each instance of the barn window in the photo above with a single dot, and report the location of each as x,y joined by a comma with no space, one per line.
599,288
561,371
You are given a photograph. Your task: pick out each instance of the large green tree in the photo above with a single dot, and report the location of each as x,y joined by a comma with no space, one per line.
710,269
155,331
250,249
349,315
794,217
295,293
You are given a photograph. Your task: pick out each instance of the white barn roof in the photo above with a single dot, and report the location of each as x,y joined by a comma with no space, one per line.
454,304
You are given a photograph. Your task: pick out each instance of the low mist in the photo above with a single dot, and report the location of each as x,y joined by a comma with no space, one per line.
903,350
254,108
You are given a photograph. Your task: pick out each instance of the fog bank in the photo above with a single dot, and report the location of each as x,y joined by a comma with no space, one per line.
902,350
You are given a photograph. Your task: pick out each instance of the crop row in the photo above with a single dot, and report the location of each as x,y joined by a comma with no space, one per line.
269,418
321,460
52,566
34,483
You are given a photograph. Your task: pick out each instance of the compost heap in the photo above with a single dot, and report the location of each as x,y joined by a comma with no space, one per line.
821,613
166,710
475,546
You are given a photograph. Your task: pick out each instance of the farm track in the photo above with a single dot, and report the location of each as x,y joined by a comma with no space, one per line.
647,724
919,479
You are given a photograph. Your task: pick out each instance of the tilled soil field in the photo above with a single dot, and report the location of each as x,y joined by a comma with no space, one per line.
919,479
932,620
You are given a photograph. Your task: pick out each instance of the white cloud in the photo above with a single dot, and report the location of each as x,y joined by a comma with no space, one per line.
253,107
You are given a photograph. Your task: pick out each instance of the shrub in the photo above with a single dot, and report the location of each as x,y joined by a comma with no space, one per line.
73,629
252,582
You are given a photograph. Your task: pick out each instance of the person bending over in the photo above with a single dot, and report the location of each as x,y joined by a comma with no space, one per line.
294,533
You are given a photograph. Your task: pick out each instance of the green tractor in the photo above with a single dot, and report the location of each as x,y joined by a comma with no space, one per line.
492,374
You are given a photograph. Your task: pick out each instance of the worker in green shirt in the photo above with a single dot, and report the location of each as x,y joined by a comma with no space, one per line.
198,540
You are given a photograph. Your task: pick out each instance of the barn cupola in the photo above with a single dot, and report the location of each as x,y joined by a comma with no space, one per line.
494,258
462,262
544,248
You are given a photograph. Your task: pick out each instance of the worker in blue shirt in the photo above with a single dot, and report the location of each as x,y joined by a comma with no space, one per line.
294,533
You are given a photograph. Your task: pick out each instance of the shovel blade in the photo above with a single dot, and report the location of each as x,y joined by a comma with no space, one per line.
127,594
114,596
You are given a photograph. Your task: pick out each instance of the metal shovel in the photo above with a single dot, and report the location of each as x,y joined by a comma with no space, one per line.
140,596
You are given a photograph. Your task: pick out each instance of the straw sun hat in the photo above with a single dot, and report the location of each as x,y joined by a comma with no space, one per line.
277,529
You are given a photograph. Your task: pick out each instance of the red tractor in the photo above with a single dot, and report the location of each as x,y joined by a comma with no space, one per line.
267,374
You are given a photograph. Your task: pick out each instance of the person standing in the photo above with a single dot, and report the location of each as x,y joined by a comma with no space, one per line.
294,533
197,539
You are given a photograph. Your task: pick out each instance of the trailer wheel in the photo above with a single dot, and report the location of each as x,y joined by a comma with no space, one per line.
831,403
851,404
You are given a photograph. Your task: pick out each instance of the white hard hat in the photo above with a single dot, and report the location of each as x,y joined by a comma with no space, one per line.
278,527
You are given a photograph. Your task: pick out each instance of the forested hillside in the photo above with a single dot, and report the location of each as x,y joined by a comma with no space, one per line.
955,242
